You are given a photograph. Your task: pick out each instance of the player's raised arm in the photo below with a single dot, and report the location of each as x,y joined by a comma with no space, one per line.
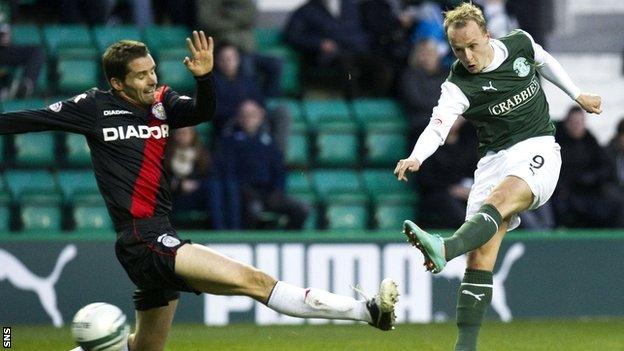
201,60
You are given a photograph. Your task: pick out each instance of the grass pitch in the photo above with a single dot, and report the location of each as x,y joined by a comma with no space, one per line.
529,335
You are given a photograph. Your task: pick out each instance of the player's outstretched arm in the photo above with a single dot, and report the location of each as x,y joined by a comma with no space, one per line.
591,103
201,60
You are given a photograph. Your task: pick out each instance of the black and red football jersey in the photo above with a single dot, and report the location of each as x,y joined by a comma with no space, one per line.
127,141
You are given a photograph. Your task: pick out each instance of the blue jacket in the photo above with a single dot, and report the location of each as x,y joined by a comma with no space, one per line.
230,94
312,23
252,160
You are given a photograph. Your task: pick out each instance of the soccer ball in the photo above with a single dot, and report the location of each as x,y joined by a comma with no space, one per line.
100,327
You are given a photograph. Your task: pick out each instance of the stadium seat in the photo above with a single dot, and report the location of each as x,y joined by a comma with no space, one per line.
167,41
107,35
337,145
72,40
379,111
173,72
205,133
87,216
346,215
290,80
77,75
26,34
23,104
77,153
298,182
267,38
26,185
40,217
5,217
338,182
390,215
79,185
35,149
298,149
2,153
384,146
381,184
293,107
323,111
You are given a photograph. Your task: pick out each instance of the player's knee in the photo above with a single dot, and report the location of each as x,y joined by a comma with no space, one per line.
258,283
481,259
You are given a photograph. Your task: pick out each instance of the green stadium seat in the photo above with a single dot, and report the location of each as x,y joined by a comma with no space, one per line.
91,217
107,35
77,153
381,184
41,217
35,149
379,111
205,133
167,41
72,40
267,38
26,34
329,184
5,217
173,72
290,82
337,145
320,112
310,199
346,215
390,215
2,152
79,186
298,149
35,186
298,182
384,146
77,75
23,104
291,105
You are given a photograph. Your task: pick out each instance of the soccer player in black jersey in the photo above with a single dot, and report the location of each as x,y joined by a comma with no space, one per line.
127,129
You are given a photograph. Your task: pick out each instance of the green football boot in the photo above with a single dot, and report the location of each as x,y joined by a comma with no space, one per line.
431,245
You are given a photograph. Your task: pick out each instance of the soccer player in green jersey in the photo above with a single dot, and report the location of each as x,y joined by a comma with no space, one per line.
495,85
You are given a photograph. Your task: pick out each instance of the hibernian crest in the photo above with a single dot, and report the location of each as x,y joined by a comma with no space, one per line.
521,67
159,111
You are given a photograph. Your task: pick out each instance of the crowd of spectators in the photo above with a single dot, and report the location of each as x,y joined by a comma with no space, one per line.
367,48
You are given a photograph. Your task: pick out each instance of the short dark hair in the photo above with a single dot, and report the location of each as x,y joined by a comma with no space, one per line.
574,109
117,57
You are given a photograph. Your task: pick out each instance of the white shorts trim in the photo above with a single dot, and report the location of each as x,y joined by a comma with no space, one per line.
537,161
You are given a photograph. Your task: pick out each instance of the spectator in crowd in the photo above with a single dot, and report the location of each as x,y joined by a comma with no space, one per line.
233,86
585,196
233,21
388,25
30,57
249,155
445,182
420,83
194,184
615,150
92,12
330,36
499,22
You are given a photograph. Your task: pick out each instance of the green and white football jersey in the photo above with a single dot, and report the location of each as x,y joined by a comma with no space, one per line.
506,105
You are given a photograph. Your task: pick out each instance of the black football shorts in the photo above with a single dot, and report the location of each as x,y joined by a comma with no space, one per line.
146,249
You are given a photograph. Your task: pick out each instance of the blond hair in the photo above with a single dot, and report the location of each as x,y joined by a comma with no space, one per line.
462,14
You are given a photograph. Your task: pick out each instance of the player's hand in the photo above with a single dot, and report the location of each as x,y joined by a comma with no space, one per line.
405,165
201,60
590,103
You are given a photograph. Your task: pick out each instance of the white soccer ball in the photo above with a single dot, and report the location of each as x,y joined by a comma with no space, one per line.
100,327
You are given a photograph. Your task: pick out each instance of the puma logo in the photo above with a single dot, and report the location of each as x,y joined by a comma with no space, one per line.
476,296
22,278
488,87
455,270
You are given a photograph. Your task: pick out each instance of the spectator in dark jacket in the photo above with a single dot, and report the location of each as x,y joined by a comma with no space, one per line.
615,150
251,157
329,34
232,87
584,196
445,182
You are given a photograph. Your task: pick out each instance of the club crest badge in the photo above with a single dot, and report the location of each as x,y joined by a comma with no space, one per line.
521,67
159,111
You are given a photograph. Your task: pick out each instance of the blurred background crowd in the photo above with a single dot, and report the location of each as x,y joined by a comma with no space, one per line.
315,104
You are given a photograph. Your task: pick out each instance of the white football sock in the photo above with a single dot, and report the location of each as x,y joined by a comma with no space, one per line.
77,349
315,303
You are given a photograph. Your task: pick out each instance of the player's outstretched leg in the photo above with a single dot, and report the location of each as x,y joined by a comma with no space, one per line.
378,311
474,233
